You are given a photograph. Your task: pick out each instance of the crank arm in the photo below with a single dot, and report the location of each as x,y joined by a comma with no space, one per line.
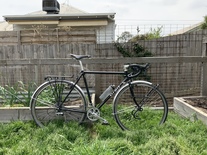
100,118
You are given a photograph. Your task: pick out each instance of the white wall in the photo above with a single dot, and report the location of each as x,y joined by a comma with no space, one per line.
106,34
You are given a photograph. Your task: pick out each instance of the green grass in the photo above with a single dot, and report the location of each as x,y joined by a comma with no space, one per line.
177,136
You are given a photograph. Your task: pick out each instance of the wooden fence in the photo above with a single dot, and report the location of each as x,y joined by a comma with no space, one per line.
177,62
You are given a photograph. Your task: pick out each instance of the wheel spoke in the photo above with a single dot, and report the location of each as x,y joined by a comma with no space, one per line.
43,102
125,109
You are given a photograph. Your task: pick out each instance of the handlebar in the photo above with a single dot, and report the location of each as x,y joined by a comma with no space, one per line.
133,70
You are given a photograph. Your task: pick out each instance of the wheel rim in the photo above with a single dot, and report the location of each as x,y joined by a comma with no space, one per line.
51,103
129,116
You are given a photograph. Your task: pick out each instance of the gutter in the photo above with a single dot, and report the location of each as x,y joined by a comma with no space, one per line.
60,16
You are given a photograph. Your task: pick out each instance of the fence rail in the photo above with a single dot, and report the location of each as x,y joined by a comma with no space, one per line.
66,61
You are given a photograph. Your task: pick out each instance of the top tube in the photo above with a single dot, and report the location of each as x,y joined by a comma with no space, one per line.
130,70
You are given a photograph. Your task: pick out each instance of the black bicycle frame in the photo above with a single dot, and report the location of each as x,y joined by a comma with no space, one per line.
82,75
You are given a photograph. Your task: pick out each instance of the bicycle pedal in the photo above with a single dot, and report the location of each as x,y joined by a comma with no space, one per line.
105,123
59,113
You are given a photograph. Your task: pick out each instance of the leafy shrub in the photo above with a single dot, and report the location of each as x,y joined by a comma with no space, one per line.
136,51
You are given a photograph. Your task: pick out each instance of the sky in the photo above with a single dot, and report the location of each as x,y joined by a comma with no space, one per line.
128,12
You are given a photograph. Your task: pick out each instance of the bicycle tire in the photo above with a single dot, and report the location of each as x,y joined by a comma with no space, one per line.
126,112
47,102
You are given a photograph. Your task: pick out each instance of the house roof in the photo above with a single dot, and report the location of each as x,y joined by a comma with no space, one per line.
188,29
60,16
66,12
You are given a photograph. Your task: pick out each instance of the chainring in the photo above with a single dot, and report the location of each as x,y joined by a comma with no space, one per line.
92,114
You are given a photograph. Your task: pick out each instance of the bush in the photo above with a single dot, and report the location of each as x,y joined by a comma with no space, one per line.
137,50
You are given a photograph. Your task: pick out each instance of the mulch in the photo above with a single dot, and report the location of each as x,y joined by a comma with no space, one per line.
200,103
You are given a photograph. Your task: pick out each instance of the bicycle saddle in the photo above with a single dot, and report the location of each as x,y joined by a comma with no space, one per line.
79,57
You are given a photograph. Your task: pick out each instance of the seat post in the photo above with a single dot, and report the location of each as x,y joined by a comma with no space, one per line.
81,65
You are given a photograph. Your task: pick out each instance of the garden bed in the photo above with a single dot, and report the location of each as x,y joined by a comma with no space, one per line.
8,114
194,108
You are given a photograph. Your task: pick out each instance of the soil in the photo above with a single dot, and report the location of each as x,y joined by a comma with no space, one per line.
200,103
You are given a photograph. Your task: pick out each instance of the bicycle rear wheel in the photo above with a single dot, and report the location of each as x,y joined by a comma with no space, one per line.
139,102
57,100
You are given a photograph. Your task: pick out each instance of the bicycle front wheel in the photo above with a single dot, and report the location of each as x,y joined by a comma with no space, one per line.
139,103
58,100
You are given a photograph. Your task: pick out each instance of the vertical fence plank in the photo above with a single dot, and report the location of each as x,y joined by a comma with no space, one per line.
204,70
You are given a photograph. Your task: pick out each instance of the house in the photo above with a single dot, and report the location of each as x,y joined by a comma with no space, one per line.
4,26
191,28
102,23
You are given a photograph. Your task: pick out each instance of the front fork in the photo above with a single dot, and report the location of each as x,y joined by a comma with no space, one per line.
139,105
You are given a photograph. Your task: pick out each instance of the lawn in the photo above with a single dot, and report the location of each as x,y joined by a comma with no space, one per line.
177,136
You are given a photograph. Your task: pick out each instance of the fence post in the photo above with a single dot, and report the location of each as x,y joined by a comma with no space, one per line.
97,85
204,69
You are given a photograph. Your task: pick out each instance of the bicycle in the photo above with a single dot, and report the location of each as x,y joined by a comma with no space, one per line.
58,98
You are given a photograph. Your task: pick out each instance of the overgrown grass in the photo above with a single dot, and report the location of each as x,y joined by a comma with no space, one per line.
177,136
